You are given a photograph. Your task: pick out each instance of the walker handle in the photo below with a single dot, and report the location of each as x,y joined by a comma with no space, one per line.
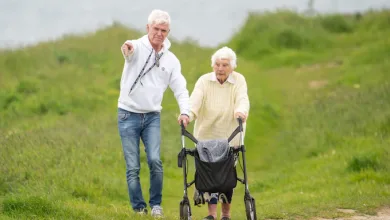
239,119
182,127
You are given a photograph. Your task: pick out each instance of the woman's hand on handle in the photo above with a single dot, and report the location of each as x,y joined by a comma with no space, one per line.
240,115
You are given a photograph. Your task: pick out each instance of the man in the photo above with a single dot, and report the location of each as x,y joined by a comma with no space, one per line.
218,99
148,70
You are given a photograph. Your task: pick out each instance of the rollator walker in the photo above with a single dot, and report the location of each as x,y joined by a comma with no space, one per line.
214,176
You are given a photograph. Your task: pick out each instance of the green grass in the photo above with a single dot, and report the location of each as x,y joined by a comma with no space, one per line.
317,139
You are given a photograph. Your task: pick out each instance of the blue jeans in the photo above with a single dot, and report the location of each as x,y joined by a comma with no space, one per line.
134,127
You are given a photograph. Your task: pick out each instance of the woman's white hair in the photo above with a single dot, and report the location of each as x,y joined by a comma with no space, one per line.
159,17
225,53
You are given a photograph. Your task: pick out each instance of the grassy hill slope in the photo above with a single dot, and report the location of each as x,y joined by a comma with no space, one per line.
317,136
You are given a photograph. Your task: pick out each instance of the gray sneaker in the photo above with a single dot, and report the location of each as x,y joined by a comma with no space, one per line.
157,211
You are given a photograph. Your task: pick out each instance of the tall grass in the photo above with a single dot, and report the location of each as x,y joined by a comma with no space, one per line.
317,136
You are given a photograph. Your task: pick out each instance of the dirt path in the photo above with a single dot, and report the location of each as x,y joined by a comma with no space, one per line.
383,214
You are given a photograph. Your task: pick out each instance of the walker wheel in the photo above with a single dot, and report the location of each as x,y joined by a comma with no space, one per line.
250,208
185,212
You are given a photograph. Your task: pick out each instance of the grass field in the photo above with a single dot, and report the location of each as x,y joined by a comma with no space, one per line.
317,138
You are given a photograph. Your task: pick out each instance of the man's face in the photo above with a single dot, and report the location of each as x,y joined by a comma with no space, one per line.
157,33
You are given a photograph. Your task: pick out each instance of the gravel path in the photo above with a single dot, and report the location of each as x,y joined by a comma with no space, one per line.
383,214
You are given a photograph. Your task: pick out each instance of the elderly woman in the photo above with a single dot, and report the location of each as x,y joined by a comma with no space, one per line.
218,99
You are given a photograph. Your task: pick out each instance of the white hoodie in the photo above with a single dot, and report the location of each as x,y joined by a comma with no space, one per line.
147,93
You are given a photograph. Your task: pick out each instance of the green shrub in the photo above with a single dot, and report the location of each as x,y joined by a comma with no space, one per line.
336,24
27,87
365,162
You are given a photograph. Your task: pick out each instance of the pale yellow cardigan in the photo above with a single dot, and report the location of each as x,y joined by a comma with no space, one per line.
213,106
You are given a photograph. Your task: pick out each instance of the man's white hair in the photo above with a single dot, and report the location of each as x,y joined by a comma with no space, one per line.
158,16
225,53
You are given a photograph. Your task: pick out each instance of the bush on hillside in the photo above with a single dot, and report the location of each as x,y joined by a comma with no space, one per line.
27,87
269,33
375,20
363,162
336,24
288,38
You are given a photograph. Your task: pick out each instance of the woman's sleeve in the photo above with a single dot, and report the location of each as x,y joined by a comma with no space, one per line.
241,99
